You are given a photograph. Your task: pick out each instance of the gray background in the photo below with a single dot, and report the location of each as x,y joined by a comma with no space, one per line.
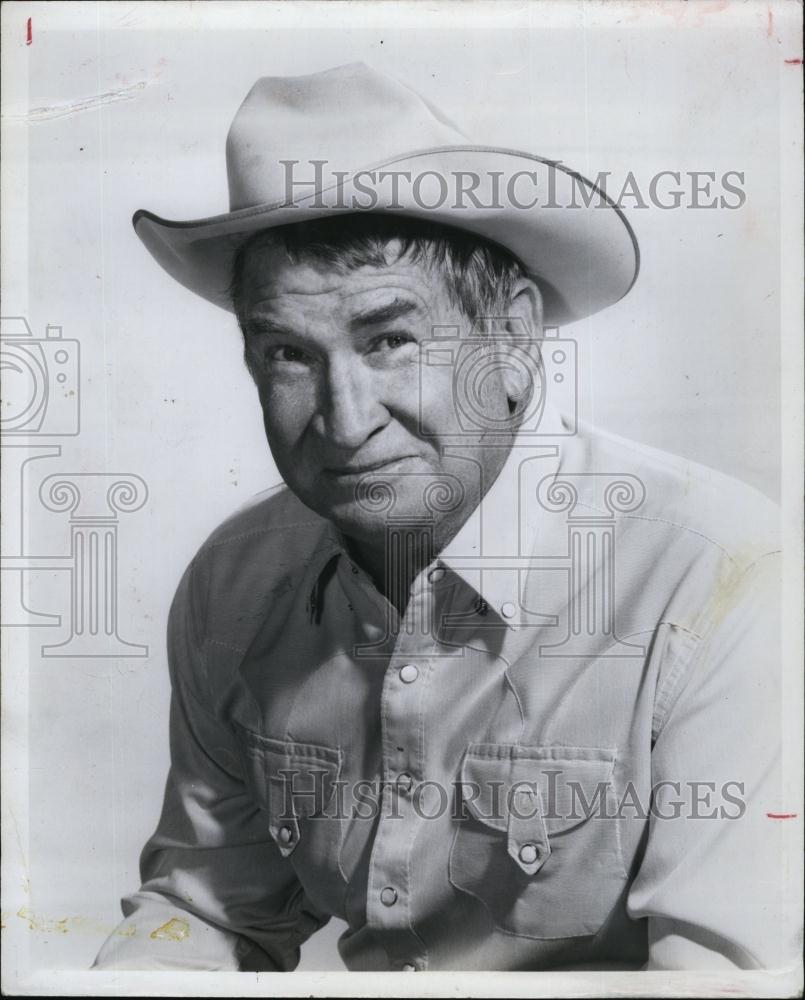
688,362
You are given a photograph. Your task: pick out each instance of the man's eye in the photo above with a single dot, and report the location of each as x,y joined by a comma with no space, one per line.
393,341
286,355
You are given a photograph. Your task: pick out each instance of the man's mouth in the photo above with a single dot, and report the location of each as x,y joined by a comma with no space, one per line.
356,470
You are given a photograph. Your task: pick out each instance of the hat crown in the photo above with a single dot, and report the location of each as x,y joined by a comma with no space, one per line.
350,117
330,127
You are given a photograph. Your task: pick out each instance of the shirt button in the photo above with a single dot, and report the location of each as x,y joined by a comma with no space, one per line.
408,673
408,967
388,896
528,854
286,834
405,782
436,574
508,610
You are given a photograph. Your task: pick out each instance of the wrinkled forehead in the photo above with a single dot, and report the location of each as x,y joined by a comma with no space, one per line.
270,248
269,271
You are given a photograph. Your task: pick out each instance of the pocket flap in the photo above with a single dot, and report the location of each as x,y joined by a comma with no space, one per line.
533,792
290,780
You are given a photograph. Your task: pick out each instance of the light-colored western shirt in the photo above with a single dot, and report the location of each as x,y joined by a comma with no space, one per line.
563,754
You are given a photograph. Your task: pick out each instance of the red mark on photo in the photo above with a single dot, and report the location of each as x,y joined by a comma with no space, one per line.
29,33
782,815
793,62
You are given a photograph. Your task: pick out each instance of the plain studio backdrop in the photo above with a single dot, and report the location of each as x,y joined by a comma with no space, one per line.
120,107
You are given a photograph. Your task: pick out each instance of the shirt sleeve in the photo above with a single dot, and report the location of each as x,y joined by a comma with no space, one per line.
216,893
712,881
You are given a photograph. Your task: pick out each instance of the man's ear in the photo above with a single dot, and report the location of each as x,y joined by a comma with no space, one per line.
523,329
525,311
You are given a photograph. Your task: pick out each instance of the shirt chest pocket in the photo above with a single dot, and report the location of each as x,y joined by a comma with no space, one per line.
536,841
296,785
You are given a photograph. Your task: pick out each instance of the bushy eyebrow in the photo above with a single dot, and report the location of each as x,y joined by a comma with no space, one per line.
373,316
258,326
383,314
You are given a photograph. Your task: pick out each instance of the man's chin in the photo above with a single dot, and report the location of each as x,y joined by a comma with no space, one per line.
405,492
368,513
370,519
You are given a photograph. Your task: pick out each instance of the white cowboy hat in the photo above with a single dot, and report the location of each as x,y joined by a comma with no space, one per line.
351,139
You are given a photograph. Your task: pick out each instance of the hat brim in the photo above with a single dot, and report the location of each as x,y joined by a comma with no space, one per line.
579,246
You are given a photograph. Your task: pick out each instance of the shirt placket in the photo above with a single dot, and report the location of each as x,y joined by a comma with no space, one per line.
389,904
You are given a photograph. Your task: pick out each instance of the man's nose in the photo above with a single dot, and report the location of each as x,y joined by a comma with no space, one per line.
350,410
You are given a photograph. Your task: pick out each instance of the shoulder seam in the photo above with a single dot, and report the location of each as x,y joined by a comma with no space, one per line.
226,645
682,527
262,531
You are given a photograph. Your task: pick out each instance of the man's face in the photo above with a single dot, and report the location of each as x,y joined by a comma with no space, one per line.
345,395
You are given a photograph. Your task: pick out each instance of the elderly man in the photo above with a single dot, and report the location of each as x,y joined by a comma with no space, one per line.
497,690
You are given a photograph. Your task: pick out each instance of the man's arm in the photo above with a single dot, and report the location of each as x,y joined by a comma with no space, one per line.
712,882
216,893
